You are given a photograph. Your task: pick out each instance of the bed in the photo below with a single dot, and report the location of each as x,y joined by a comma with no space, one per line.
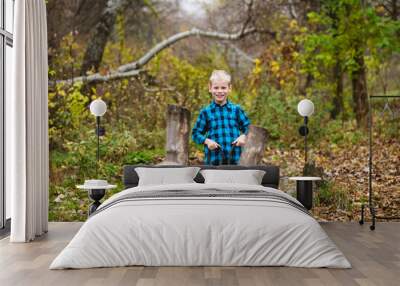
198,224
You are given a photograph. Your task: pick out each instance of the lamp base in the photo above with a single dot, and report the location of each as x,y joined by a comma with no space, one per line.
96,195
305,193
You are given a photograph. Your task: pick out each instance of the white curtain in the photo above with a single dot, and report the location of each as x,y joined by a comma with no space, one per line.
27,145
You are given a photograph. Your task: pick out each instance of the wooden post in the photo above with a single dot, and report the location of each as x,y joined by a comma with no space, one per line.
253,151
178,130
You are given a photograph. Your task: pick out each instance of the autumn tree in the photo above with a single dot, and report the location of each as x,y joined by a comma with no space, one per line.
349,31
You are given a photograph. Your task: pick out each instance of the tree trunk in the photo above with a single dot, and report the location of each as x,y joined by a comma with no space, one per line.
338,97
178,130
99,37
253,151
337,69
360,93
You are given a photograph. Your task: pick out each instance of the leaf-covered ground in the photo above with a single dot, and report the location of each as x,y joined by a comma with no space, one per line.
345,173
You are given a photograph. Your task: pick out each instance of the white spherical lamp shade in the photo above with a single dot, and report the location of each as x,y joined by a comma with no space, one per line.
98,107
305,107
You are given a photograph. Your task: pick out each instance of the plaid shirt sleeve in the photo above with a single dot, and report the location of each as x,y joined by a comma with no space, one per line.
244,121
200,128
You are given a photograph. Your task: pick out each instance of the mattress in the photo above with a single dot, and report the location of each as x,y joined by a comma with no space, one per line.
201,225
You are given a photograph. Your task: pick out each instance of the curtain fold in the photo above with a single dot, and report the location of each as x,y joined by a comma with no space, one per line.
27,123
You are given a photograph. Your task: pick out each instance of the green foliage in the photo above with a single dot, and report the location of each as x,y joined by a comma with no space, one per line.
339,133
189,81
116,52
146,157
330,194
77,163
276,112
387,123
345,30
67,106
67,59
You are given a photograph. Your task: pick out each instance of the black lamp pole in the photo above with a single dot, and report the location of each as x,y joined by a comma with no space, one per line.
98,108
303,130
305,139
98,145
305,109
97,194
100,131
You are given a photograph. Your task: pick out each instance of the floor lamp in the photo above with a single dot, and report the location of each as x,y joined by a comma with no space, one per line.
98,108
97,188
305,109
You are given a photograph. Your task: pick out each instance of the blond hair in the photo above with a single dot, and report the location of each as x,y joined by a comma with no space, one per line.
220,75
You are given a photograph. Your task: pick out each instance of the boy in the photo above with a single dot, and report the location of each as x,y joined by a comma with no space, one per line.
219,124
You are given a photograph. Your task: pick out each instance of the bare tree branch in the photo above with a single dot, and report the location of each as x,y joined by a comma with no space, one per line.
97,78
180,36
134,68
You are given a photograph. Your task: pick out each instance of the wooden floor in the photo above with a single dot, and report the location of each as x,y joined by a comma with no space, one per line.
375,257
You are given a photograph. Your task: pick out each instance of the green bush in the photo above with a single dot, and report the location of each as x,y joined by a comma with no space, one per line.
76,162
330,194
276,112
143,157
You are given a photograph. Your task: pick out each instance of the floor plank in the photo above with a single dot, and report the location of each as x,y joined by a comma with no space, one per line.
374,255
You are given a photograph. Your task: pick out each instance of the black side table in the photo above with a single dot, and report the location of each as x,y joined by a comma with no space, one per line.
96,192
304,190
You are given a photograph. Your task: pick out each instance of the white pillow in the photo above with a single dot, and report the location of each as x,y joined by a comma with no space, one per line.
249,177
164,176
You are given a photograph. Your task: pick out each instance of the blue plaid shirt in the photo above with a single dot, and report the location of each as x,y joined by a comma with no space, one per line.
223,124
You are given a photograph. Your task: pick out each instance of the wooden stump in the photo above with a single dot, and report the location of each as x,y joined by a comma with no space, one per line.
253,151
178,130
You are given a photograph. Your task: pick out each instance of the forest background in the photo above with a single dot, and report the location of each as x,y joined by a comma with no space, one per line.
336,53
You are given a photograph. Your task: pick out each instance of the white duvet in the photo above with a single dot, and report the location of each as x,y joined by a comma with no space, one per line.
185,231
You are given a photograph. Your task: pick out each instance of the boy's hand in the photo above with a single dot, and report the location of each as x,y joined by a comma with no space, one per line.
240,141
211,144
